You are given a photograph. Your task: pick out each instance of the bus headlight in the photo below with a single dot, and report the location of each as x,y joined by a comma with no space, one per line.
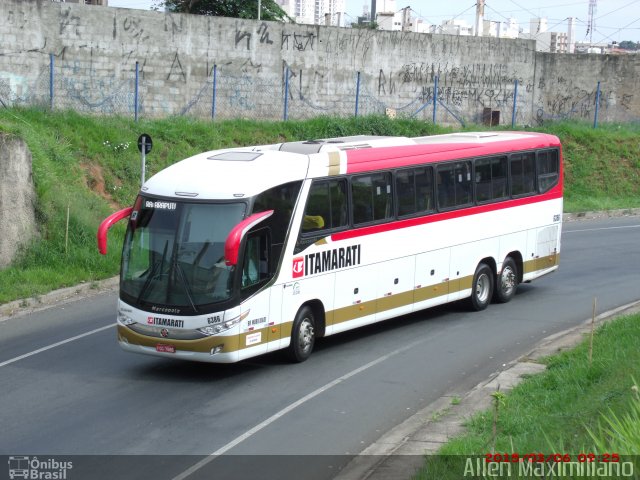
125,319
210,330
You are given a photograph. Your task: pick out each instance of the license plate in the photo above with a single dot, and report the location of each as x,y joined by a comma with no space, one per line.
161,347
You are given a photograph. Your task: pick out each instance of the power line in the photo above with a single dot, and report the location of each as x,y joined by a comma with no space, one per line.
526,10
617,9
620,29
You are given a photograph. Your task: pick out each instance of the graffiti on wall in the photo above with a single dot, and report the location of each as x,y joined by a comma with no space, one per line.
95,57
467,88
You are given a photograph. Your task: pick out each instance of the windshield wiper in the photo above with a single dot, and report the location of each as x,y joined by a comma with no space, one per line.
152,273
187,287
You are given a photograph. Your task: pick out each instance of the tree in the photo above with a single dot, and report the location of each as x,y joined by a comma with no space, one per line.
364,25
629,45
269,9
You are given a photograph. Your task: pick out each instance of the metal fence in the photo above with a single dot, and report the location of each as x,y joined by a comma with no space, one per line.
233,94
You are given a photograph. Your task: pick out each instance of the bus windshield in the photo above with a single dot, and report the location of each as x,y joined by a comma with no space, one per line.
173,253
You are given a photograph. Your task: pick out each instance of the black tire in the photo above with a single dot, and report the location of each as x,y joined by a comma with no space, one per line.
507,281
481,288
303,336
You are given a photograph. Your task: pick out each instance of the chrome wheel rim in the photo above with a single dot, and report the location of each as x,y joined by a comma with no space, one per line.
305,336
483,285
508,280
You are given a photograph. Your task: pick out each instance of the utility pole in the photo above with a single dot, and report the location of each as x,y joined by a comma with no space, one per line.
406,19
480,17
593,6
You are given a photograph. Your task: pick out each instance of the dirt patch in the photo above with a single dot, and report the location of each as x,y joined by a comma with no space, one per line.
94,179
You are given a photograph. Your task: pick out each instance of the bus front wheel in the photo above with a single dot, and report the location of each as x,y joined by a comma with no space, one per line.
482,287
507,281
302,335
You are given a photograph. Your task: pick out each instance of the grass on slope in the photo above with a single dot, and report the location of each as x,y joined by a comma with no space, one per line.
574,408
91,166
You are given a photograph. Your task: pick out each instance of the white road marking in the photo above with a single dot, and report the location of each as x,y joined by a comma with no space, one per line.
249,433
54,345
601,228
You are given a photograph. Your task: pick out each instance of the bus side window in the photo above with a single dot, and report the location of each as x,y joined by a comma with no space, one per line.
491,179
281,200
548,170
326,209
522,175
255,264
424,189
414,189
454,184
406,188
372,197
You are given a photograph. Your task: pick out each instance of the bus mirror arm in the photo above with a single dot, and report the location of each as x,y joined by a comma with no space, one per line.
232,244
106,224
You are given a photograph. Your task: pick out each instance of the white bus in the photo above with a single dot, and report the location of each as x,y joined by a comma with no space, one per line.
234,253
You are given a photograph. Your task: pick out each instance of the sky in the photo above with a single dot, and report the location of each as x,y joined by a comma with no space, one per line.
615,20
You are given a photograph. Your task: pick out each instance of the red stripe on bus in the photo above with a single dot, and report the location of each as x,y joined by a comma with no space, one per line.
381,158
552,194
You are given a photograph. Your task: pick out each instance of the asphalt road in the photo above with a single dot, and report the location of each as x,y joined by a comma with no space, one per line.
84,396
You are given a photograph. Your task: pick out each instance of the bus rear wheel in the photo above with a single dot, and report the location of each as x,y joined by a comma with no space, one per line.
303,336
481,288
507,281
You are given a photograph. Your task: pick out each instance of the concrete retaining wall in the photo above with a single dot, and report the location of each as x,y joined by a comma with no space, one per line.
17,198
94,51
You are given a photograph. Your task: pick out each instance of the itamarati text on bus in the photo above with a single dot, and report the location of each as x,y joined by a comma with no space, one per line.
234,253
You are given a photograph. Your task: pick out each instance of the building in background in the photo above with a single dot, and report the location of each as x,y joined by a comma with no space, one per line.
453,27
315,12
552,42
508,29
571,35
387,16
597,48
288,6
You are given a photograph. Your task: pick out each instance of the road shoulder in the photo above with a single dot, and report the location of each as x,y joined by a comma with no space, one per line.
399,454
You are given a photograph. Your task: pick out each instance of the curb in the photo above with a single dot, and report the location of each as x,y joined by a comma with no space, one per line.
399,454
625,212
86,289
26,306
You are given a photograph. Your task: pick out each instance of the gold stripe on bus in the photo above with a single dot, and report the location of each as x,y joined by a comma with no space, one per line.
285,329
395,301
332,317
329,318
465,283
431,291
357,310
231,343
402,299
201,345
334,163
541,263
